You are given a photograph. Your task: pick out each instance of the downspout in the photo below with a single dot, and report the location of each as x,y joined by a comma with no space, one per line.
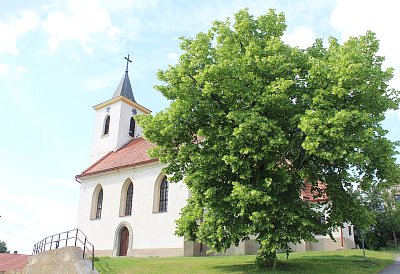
341,236
201,243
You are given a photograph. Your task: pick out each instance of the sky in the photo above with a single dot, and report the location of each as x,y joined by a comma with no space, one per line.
59,58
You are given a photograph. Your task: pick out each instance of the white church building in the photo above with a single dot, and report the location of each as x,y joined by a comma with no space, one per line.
128,208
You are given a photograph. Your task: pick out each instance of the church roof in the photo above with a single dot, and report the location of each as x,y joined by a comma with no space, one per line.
133,153
124,88
314,194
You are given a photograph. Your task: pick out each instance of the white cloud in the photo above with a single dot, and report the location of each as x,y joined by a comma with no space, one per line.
97,83
393,113
173,55
63,183
131,4
301,37
11,71
25,217
76,57
13,29
4,68
20,69
81,21
184,17
354,18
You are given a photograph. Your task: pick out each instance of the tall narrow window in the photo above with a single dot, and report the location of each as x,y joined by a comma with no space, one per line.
163,195
106,125
99,205
132,127
129,197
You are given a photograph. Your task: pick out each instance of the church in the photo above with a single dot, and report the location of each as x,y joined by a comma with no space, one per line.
127,207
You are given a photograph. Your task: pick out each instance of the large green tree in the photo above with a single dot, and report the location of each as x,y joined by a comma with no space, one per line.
251,117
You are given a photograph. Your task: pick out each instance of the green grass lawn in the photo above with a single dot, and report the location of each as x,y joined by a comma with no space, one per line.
345,261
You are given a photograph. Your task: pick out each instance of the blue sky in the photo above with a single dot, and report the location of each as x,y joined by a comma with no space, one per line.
60,58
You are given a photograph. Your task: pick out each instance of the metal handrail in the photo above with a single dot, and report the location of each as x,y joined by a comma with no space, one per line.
63,239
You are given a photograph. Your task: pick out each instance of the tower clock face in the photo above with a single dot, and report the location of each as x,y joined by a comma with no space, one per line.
134,111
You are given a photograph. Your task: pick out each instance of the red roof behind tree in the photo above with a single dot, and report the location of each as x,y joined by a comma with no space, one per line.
314,195
133,153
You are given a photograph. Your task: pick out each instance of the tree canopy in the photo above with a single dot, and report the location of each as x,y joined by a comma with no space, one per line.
251,117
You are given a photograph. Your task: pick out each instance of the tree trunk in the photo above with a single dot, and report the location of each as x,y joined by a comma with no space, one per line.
266,257
394,237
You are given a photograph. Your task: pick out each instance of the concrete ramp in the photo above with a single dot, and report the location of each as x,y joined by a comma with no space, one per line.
66,260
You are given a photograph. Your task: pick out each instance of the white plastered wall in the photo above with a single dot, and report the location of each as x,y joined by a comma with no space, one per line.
150,230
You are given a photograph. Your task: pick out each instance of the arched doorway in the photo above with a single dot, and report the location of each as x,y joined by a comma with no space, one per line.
123,242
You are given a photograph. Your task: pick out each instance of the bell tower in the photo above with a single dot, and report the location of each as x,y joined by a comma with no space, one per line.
115,123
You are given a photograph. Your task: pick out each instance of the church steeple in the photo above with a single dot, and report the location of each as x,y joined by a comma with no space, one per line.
115,123
124,88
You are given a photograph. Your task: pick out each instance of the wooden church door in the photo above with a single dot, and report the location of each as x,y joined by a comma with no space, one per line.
123,242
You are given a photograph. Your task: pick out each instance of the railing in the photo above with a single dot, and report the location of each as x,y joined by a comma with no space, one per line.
67,238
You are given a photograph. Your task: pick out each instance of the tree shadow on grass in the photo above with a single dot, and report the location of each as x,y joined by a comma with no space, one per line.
102,265
313,265
248,267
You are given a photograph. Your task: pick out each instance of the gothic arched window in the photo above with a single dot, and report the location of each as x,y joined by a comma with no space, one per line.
163,204
132,127
128,203
106,128
99,204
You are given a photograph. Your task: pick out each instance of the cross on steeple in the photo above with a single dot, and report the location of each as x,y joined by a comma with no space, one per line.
127,62
124,88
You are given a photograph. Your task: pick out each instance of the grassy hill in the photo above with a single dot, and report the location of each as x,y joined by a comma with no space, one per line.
345,261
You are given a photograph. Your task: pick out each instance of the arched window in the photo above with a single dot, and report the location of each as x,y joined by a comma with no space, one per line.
126,200
128,204
132,127
99,204
163,196
106,125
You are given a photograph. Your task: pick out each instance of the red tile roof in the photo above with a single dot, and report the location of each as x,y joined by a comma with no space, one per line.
133,153
311,195
13,261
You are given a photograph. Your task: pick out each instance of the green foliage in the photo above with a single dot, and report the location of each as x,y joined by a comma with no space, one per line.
251,117
3,247
385,231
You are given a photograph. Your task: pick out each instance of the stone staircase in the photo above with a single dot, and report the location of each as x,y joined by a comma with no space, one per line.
66,260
